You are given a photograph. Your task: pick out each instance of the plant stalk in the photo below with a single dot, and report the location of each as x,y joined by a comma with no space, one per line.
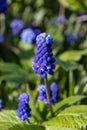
28,121
71,85
48,97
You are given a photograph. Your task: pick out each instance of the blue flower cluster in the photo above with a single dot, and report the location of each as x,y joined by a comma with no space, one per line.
28,35
44,60
72,38
1,38
3,6
23,111
54,90
54,93
42,93
59,20
16,26
1,106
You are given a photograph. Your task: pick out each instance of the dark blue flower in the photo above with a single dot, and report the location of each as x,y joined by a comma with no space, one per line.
28,35
54,93
42,93
16,26
23,111
1,104
44,60
72,38
3,6
1,38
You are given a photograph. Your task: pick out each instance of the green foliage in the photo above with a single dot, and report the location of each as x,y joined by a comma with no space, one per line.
72,117
15,73
59,128
66,103
26,55
78,5
9,121
73,55
67,65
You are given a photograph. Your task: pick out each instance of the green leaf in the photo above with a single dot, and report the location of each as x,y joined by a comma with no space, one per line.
72,117
77,5
67,102
54,127
18,78
72,55
10,67
26,55
15,73
8,121
67,65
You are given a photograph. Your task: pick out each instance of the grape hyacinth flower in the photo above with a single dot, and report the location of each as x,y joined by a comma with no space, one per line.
72,38
1,106
54,91
16,26
23,111
54,94
42,93
44,60
1,38
28,35
3,6
59,20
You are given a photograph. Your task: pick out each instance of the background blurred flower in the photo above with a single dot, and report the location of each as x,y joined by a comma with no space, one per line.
54,90
42,93
28,35
16,26
3,6
54,93
72,38
23,111
59,20
1,38
1,104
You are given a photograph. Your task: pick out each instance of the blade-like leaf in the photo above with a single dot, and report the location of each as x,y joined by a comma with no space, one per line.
67,65
10,67
73,55
18,78
78,5
67,102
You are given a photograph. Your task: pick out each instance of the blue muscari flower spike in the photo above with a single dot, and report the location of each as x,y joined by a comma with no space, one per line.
1,104
54,93
16,26
44,60
42,93
3,6
23,111
28,35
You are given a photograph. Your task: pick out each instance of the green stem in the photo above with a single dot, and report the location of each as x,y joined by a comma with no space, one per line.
71,86
28,121
48,97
